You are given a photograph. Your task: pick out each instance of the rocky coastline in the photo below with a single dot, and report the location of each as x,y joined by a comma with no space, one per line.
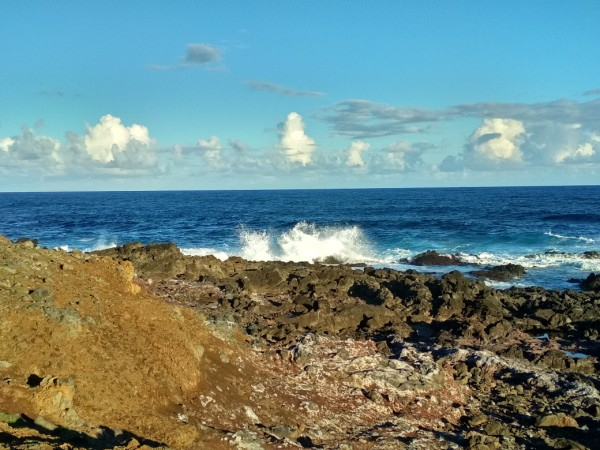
144,347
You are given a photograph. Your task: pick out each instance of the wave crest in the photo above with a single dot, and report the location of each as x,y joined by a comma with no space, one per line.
307,242
576,238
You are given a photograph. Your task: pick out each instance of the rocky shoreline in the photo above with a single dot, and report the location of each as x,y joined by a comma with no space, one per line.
201,353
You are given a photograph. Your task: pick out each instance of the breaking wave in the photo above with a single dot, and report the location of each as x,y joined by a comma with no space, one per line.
534,261
307,242
100,244
576,238
205,252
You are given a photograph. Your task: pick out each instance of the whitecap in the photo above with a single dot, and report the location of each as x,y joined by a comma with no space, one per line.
577,238
307,242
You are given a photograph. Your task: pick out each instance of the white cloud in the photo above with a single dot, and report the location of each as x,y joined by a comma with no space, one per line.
498,140
355,154
5,143
239,145
583,152
212,143
31,149
108,148
110,140
212,150
399,157
297,147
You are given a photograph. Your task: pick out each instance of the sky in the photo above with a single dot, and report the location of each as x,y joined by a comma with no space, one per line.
138,95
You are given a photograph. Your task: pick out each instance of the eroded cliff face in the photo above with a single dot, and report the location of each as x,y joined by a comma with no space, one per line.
142,346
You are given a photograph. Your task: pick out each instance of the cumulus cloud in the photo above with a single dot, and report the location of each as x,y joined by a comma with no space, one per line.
239,146
583,152
211,149
401,156
30,150
496,143
110,139
355,154
5,143
275,88
498,140
296,146
511,135
108,147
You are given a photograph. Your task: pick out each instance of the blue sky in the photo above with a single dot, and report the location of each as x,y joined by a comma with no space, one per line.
307,94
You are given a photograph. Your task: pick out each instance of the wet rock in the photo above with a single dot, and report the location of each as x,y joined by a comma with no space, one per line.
591,283
501,273
433,258
591,255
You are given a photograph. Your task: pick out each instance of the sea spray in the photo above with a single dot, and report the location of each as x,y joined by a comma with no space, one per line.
307,242
201,251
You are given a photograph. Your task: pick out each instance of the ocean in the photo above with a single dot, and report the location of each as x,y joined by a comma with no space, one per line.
547,230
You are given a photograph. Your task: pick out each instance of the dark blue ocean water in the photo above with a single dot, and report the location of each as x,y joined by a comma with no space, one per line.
546,229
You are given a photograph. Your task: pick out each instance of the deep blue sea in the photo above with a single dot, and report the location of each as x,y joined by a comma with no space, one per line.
545,229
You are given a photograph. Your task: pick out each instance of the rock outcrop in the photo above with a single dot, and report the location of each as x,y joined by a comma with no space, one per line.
143,346
504,272
433,258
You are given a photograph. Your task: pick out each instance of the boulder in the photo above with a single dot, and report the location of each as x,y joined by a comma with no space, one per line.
557,420
591,283
433,258
503,272
26,242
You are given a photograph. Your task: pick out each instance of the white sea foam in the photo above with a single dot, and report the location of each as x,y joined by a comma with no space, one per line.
536,261
307,242
205,252
503,284
576,238
398,254
100,245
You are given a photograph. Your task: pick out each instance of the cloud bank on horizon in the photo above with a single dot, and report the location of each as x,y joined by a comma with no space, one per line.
509,136
235,104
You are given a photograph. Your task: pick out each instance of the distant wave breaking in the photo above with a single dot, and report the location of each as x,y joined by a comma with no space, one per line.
576,238
307,242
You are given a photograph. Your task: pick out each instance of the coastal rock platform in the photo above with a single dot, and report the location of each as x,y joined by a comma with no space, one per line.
143,347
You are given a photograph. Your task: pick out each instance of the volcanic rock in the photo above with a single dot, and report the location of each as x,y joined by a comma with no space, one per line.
142,346
433,258
591,283
501,273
